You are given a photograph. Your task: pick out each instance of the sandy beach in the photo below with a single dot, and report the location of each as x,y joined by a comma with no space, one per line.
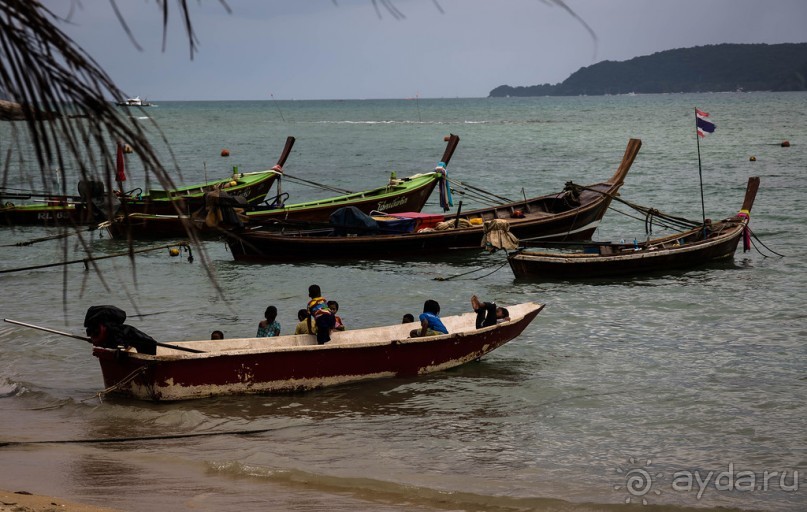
23,501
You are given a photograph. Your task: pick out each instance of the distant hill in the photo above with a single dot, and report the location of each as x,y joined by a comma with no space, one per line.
713,68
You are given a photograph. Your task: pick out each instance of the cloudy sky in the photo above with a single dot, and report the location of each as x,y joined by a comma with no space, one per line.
349,49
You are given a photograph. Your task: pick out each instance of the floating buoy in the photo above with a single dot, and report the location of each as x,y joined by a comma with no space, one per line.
785,143
753,158
173,251
225,152
127,148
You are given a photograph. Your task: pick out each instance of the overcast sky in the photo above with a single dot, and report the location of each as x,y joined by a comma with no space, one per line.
346,49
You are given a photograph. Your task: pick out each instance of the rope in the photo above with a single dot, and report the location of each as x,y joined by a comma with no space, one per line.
148,438
763,245
118,385
440,278
646,209
503,200
67,233
85,261
316,185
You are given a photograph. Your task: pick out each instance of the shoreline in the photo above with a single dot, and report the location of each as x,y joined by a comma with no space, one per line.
23,501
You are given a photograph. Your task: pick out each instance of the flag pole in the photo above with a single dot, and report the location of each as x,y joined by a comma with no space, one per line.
700,170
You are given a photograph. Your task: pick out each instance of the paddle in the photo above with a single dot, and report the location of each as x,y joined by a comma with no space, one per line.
85,338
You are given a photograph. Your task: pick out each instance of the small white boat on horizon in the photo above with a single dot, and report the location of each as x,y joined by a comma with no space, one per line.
134,102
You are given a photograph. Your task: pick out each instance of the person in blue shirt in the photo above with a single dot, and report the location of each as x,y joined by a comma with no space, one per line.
430,323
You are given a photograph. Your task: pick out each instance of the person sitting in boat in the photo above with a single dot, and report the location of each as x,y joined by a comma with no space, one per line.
216,335
338,325
304,325
269,326
320,314
487,313
430,323
106,329
408,318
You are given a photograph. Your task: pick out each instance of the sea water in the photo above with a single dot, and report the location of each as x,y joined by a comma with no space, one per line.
681,390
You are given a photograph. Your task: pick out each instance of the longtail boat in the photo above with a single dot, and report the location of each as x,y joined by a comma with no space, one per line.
90,207
710,242
572,214
407,194
199,369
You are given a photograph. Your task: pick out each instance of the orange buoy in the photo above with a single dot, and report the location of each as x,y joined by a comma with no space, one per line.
225,152
127,148
173,251
785,143
753,158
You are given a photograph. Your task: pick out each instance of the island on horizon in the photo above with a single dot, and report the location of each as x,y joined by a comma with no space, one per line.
711,68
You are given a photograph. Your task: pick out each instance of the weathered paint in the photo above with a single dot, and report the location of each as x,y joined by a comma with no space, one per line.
297,363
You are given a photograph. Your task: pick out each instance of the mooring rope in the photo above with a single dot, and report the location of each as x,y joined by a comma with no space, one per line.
67,233
440,278
763,245
152,438
117,385
85,261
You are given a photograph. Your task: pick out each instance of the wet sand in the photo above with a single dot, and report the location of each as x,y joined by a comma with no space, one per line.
22,501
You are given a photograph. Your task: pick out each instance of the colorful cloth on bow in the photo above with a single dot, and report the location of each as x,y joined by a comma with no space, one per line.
446,201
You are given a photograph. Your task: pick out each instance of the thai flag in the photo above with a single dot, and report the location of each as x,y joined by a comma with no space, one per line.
703,124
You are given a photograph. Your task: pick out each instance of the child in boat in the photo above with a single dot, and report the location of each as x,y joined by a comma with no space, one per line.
487,313
408,318
320,314
303,324
216,335
269,326
430,323
338,324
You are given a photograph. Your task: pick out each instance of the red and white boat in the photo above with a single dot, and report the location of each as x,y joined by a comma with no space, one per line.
296,363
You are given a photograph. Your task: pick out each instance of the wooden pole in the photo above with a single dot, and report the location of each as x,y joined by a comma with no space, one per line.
85,338
700,170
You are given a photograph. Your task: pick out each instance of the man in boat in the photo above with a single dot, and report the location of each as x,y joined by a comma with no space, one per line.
488,313
105,328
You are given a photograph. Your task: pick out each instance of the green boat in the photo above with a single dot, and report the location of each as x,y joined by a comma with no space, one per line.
91,206
397,196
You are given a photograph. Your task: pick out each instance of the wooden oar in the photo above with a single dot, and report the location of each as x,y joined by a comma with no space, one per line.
85,338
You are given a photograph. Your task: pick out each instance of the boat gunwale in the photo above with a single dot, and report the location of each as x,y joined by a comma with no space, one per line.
530,310
734,229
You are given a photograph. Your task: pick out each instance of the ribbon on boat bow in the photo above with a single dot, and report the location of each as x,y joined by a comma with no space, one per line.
745,214
446,201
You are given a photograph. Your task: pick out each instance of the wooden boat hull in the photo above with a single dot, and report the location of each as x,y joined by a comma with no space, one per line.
297,363
253,187
548,217
679,251
406,197
43,215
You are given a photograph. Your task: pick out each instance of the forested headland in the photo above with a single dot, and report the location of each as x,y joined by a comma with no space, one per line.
713,68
